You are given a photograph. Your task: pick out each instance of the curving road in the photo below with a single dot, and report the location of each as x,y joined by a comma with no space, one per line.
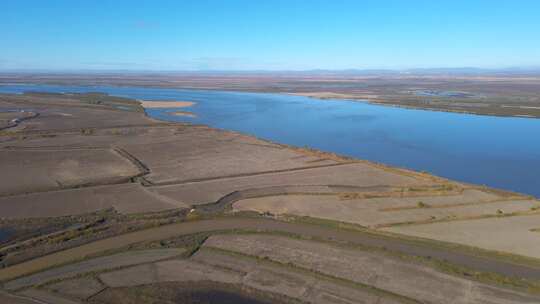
360,238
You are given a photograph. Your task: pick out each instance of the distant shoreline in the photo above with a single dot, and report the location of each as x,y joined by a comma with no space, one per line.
490,96
419,106
156,104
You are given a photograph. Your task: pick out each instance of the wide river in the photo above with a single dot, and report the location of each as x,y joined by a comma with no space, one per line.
496,151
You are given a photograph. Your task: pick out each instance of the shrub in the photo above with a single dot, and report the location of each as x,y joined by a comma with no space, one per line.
87,131
421,204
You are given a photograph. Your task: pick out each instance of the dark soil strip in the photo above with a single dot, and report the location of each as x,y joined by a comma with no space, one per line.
135,161
15,122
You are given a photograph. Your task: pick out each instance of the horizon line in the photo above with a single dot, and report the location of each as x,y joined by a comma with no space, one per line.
464,69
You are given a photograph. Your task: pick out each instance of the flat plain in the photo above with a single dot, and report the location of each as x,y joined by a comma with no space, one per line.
373,269
501,94
101,204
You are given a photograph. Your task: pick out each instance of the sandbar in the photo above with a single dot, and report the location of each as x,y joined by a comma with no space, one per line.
165,104
183,113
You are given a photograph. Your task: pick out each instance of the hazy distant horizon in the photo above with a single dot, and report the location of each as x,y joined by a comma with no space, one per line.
435,70
274,35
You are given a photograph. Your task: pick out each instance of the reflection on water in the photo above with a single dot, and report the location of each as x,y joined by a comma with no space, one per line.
495,151
214,297
5,234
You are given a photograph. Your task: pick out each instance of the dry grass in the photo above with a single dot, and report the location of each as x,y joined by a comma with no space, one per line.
402,277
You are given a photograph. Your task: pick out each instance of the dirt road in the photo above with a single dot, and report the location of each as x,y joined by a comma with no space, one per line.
164,232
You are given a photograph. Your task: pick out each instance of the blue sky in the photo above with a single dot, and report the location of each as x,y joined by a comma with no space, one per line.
268,34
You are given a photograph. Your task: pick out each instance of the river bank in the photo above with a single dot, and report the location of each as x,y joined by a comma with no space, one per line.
468,148
165,189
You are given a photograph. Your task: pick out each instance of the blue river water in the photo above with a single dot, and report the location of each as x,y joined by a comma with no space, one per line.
501,152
